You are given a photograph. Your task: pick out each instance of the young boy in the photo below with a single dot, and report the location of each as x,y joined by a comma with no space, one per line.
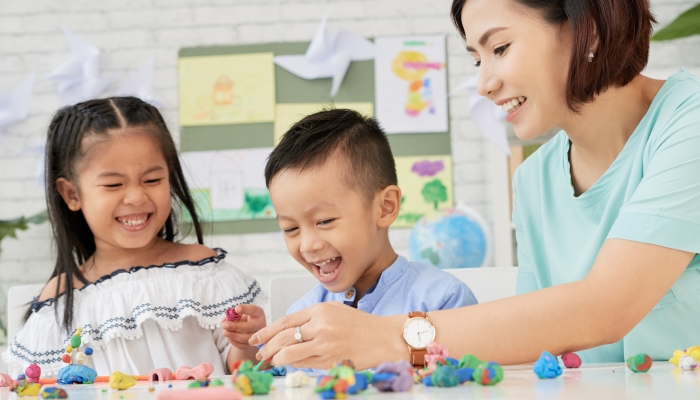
333,184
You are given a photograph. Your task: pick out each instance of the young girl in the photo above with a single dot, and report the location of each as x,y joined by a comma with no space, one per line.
143,300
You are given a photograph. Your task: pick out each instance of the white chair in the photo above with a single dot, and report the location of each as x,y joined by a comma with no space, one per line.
487,284
17,299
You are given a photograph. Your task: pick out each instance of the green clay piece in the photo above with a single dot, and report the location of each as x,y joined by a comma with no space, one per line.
469,361
75,341
260,382
216,382
342,372
194,385
326,383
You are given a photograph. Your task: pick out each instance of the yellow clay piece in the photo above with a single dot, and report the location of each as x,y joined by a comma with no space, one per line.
693,351
31,389
121,381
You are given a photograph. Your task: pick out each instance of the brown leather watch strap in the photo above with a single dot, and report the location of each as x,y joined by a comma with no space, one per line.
418,357
417,314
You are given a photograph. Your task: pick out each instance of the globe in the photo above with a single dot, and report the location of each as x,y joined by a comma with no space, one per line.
450,238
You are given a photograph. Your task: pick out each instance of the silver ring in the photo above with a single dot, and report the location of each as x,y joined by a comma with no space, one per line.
297,334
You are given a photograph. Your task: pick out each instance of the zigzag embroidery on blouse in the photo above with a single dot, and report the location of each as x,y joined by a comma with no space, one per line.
172,313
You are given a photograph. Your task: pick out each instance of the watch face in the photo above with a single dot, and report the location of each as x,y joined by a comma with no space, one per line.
418,332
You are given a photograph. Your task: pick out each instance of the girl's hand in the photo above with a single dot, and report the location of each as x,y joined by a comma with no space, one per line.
331,332
238,333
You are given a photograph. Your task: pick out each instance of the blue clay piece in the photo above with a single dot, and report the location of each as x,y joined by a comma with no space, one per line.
88,351
20,377
327,394
427,381
547,366
465,374
278,371
76,373
361,384
452,361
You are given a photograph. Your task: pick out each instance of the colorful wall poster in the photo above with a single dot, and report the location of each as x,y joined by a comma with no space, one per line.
229,185
426,185
228,89
411,84
289,114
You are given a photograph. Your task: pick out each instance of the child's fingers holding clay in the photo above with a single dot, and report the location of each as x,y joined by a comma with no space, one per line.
238,340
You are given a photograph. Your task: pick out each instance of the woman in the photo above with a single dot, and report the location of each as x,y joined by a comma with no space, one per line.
607,213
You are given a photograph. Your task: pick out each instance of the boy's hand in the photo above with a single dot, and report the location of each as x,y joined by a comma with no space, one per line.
252,320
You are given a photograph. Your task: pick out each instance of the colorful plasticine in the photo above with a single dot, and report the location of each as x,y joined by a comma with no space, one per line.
24,388
547,367
160,375
121,381
249,381
199,383
693,351
76,373
571,360
203,370
395,377
488,373
639,363
232,315
33,373
53,393
5,380
296,379
218,393
688,363
340,380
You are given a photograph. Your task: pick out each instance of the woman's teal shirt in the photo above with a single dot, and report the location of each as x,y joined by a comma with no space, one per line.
650,194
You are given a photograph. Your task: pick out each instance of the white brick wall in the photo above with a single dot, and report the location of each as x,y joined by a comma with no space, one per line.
130,31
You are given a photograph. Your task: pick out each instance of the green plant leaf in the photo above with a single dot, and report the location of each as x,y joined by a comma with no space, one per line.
10,227
687,24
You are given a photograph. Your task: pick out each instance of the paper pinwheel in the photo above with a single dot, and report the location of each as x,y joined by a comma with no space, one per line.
79,77
487,116
328,56
14,106
139,83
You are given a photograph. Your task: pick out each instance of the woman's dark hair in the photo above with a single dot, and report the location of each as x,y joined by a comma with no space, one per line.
624,31
75,242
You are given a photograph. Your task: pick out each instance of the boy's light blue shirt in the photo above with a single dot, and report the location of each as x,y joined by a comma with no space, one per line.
650,194
403,287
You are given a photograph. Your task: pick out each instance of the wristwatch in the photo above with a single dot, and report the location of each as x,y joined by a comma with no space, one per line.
418,332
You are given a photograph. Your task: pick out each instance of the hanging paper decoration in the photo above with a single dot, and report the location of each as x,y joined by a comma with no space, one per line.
139,83
14,105
487,116
79,77
329,55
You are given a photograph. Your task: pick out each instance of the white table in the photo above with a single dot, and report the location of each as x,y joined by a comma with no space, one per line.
595,381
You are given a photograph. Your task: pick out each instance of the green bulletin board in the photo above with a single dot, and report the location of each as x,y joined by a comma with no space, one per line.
358,86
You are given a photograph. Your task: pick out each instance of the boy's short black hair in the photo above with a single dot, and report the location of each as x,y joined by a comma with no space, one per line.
359,139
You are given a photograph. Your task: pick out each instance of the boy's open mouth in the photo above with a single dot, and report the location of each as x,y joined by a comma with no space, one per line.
328,270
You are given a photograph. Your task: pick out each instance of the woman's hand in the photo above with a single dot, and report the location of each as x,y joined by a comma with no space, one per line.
331,332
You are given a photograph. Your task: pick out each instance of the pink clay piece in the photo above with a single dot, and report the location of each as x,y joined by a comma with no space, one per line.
436,352
161,375
33,373
201,371
5,380
571,360
216,393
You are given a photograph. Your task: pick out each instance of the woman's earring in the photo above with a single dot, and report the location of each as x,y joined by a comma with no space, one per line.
591,56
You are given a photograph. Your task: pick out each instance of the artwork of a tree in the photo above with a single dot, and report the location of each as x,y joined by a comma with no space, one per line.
434,192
